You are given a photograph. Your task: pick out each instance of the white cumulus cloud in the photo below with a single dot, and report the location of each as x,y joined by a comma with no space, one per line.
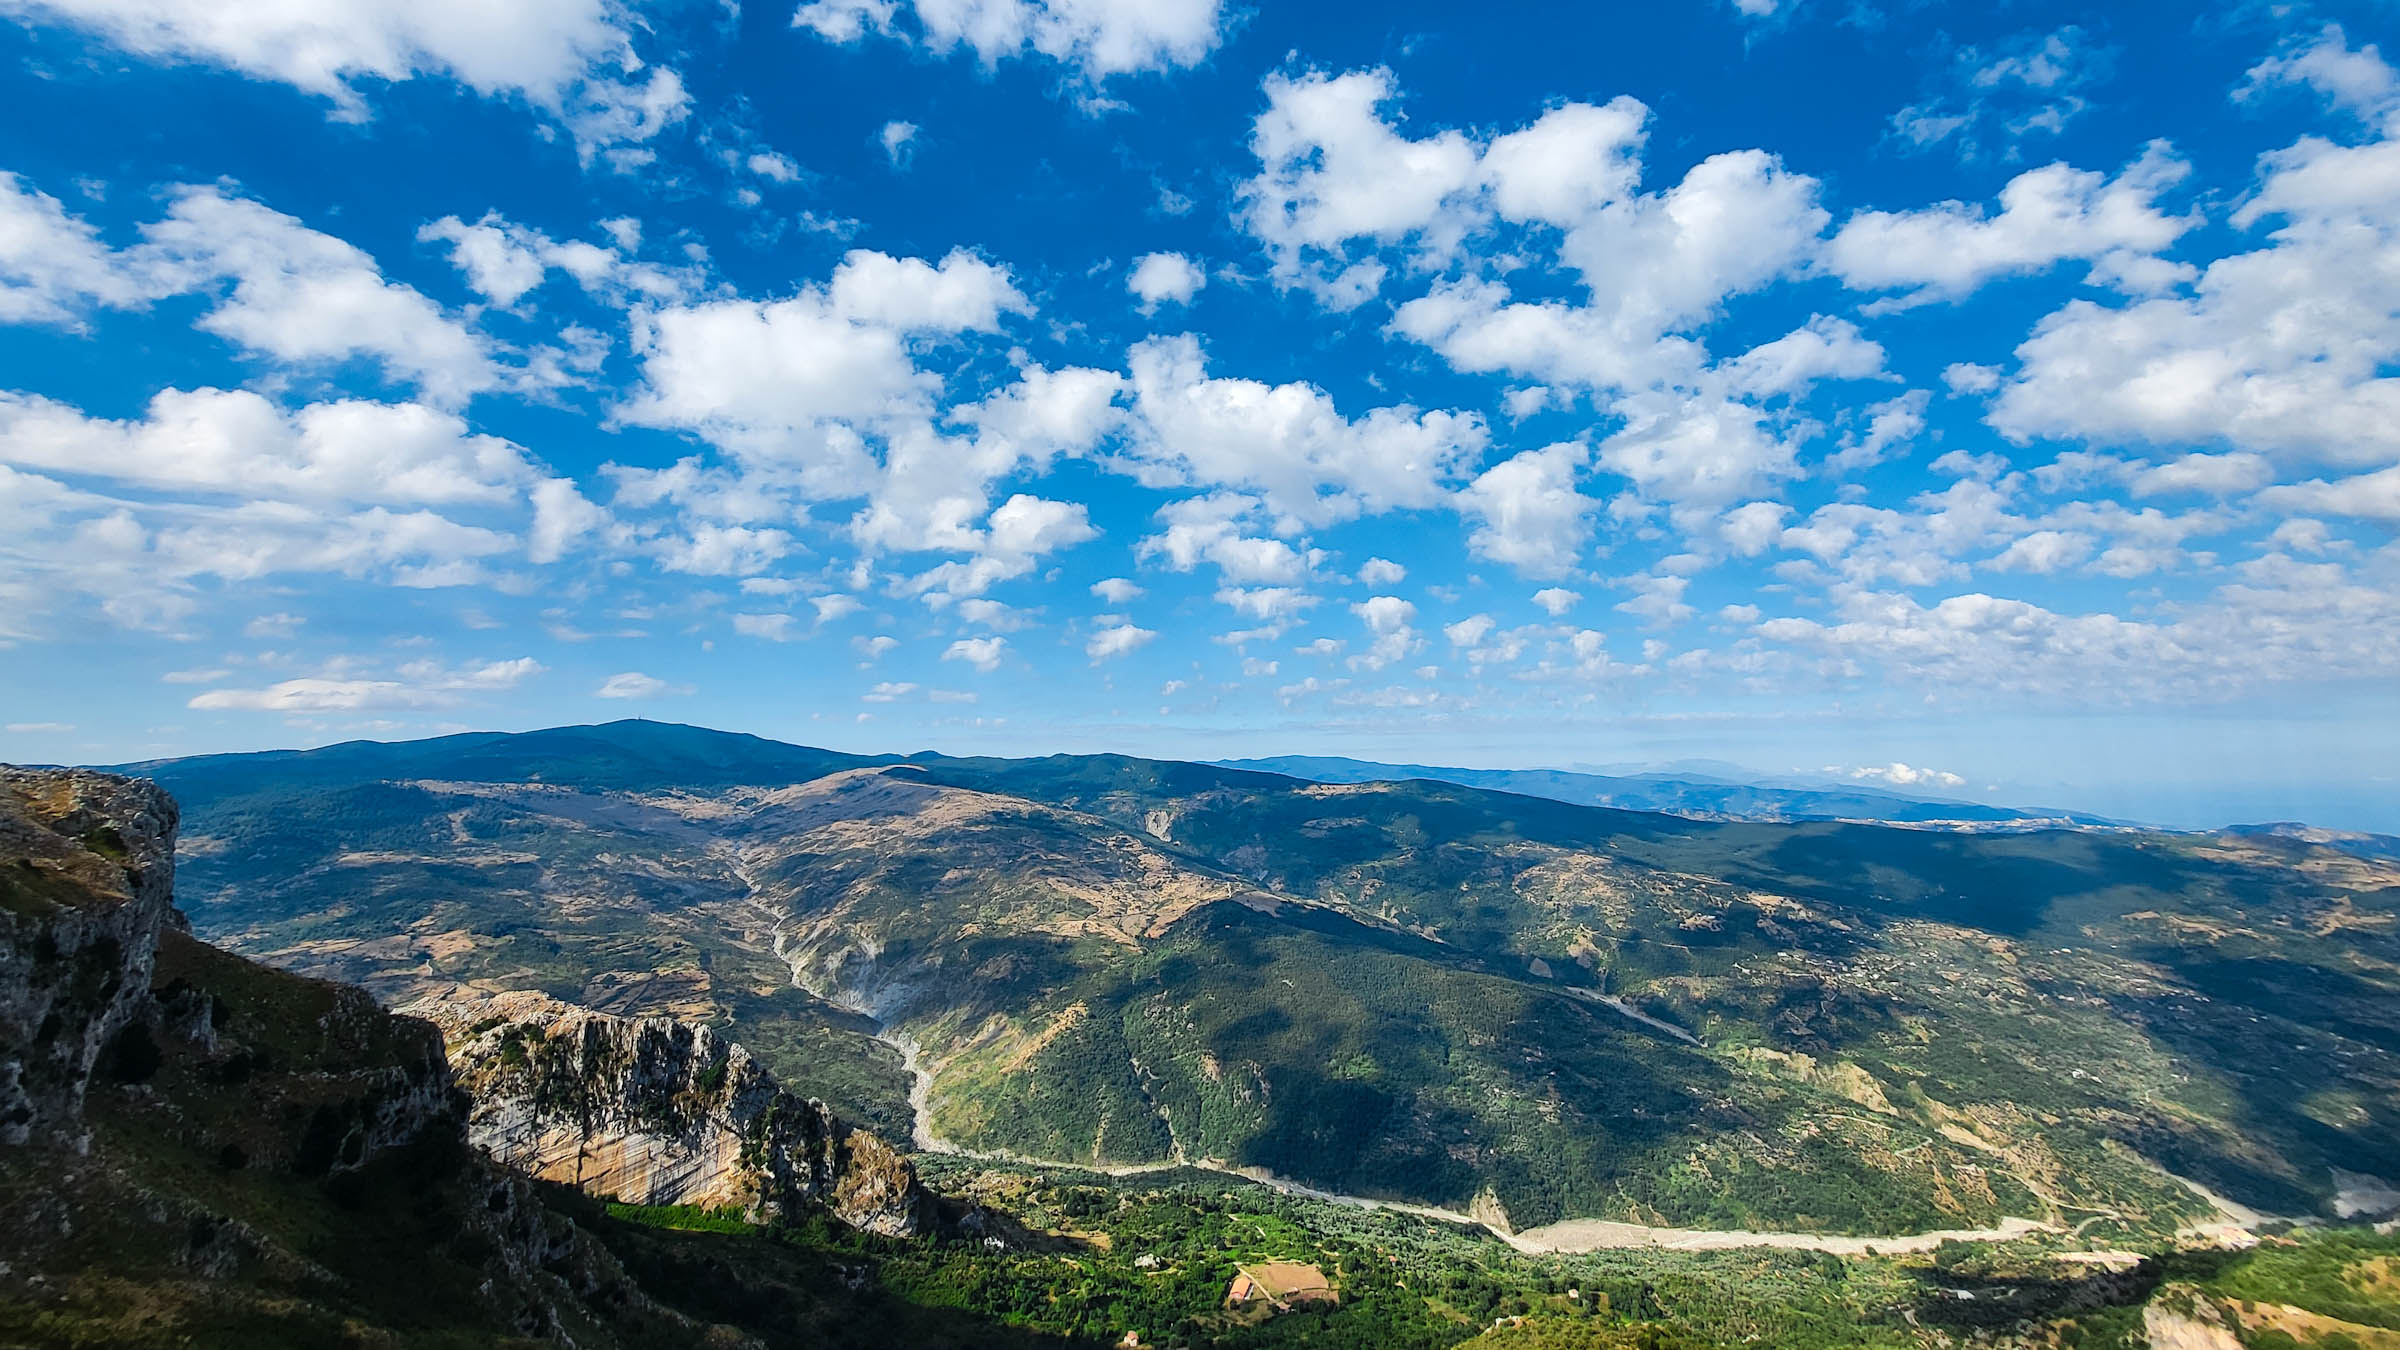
1116,640
572,59
634,684
1164,279
419,685
983,653
1098,38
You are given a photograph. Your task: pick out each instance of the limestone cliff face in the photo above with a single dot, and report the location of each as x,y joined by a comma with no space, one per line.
659,1111
87,876
160,1098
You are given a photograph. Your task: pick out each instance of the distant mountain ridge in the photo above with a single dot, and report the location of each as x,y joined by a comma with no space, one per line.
643,754
2358,842
1701,797
625,754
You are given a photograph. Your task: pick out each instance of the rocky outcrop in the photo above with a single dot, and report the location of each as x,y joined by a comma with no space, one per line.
662,1112
87,876
2179,1319
194,1146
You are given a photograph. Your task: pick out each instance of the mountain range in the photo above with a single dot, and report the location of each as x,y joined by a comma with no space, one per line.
1532,1012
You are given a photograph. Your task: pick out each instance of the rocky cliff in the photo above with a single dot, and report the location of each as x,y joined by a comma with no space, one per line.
662,1112
87,868
199,1150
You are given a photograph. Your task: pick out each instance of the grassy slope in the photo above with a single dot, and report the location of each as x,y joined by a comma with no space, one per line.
201,1216
2351,1275
1333,1054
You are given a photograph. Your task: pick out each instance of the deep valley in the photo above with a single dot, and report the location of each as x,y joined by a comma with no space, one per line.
1188,1056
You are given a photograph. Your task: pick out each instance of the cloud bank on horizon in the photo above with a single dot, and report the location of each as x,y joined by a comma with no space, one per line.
1904,384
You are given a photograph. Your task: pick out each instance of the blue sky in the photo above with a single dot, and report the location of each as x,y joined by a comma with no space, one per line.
1997,401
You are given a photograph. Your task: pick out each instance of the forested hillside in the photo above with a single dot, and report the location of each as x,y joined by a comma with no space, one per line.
1475,1000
